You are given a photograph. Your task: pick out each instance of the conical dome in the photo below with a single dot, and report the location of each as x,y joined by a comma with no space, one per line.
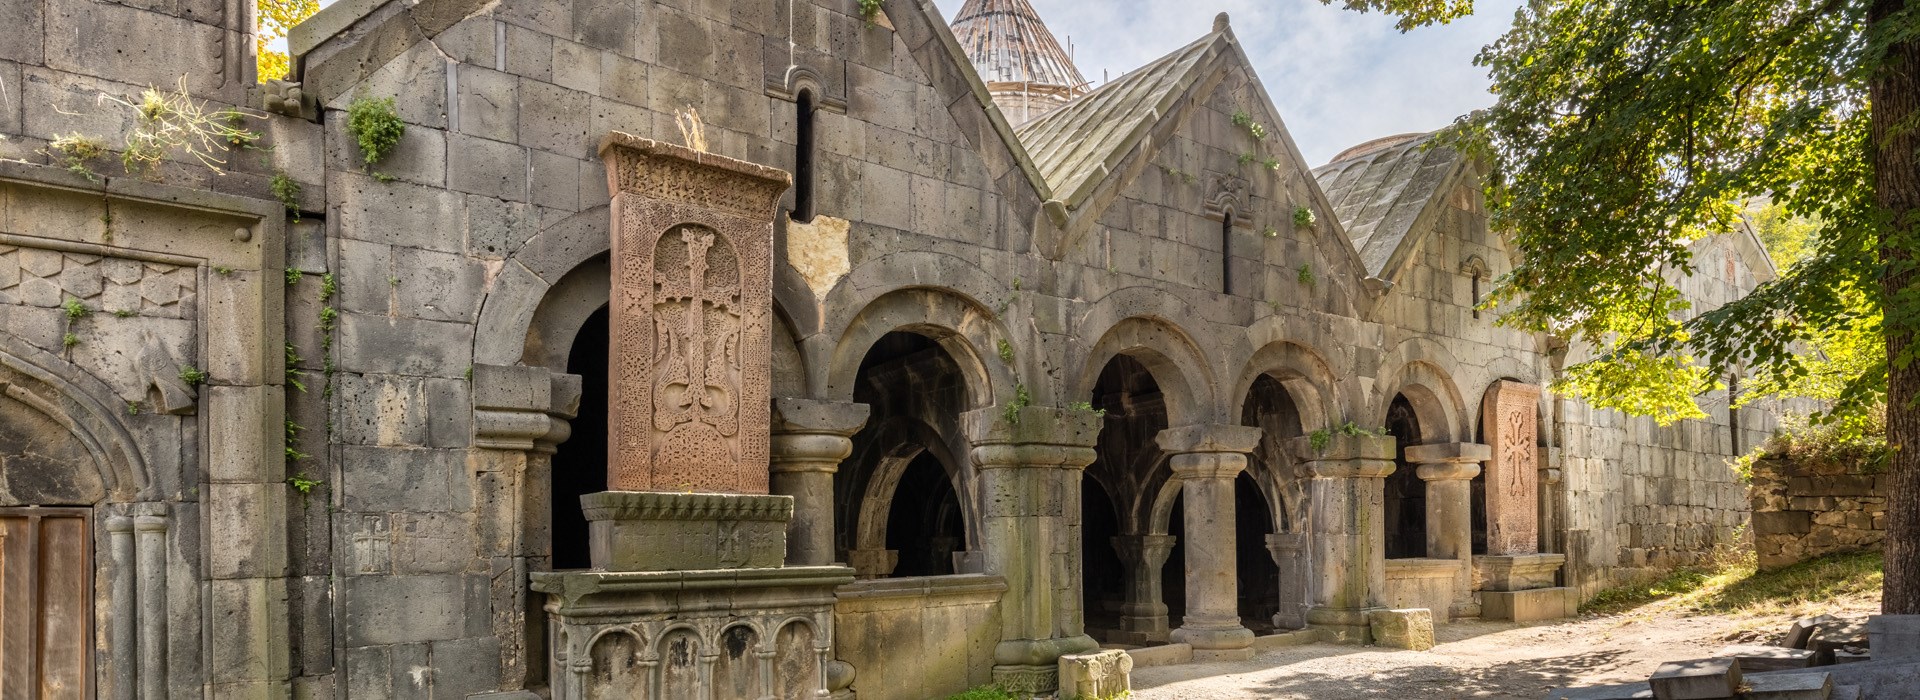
1017,57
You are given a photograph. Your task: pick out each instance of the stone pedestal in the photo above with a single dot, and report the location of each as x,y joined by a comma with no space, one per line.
1448,470
1029,471
1347,518
1096,675
1521,588
1206,458
1143,618
809,440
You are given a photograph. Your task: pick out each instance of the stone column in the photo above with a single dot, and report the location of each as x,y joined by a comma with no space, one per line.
150,547
121,647
1206,458
1144,616
1449,469
809,440
1029,496
1346,517
1288,550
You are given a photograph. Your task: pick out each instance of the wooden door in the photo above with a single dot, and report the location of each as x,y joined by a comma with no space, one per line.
46,604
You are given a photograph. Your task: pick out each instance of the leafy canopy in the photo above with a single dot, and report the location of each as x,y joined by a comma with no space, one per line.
1627,130
276,18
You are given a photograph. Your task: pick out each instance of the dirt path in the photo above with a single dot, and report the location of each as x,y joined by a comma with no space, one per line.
1472,660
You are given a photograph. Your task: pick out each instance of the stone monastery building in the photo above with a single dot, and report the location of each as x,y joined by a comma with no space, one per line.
1045,364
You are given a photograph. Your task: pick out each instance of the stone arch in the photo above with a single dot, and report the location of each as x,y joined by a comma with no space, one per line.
1169,354
1303,372
522,281
1418,370
959,324
43,387
1160,509
876,500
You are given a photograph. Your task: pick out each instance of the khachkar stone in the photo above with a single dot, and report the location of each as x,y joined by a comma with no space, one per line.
692,305
1511,411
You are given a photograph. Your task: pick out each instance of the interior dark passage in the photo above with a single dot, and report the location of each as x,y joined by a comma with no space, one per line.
1477,508
1103,578
1406,497
1259,578
580,464
1173,576
923,523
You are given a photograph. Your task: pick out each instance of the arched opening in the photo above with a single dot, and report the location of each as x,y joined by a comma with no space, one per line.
923,522
580,463
1477,497
1259,577
902,508
1173,576
1406,495
803,154
1103,578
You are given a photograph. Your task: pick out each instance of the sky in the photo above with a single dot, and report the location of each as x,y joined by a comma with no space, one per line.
1337,76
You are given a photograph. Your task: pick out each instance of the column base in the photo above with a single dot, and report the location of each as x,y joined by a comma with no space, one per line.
1033,665
1342,625
1147,628
1027,679
1216,642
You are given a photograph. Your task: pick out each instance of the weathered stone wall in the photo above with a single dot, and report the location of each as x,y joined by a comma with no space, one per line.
1804,509
915,638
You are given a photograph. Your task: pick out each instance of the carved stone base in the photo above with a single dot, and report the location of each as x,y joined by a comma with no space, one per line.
757,633
1342,625
1517,572
1028,680
651,531
1099,674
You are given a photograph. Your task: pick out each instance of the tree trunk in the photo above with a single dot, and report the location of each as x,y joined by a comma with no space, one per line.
1894,91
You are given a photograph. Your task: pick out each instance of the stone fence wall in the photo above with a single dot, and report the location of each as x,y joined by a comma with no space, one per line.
1803,510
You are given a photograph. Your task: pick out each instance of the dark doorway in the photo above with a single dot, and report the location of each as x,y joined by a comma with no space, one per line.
1259,578
1173,576
580,464
1103,578
923,522
1406,497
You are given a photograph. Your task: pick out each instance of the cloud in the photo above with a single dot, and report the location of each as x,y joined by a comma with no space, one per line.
1338,77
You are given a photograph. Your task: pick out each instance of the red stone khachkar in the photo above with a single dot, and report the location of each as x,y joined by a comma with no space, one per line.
1511,411
692,304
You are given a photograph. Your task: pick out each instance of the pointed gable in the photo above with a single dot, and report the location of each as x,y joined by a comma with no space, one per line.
1382,190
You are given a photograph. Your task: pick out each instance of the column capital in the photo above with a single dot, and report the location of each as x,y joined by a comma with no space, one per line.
1447,471
796,416
1344,456
1209,438
522,409
1207,465
1150,550
1032,436
1450,453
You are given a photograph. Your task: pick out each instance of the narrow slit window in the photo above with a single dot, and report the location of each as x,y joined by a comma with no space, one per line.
1226,252
1476,295
803,157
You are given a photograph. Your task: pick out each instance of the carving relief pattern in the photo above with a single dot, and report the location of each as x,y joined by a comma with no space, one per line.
1511,415
693,304
47,278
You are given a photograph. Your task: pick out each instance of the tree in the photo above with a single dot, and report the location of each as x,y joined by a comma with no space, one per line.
276,18
1624,130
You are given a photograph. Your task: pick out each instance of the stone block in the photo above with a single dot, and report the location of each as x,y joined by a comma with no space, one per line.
465,667
488,104
1700,679
409,346
386,479
553,118
1529,606
437,286
1894,637
487,167
403,609
1518,572
245,429
1788,686
1832,637
1782,522
1410,628
1757,658
135,46
1801,631
1621,691
648,531
1845,692
1096,675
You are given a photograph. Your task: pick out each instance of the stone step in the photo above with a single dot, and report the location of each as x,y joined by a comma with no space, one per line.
1756,658
1697,679
1792,686
1620,691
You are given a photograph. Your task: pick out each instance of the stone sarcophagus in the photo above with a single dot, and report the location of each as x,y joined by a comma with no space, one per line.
687,597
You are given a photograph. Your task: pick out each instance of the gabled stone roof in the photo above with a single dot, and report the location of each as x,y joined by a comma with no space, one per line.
1007,43
1076,146
1382,189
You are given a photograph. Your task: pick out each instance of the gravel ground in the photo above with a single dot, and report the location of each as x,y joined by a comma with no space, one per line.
1472,660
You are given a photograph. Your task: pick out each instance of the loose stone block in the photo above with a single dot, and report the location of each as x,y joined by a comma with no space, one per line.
1529,606
1755,658
1789,686
1801,631
1700,679
1096,675
692,314
1833,636
1622,691
1512,424
1402,629
1894,636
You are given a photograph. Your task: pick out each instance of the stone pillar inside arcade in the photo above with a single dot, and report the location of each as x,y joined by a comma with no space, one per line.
1206,458
1448,470
810,438
1143,618
1029,461
1345,520
688,595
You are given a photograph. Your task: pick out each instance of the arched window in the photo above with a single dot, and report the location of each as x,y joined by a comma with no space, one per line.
1226,252
803,157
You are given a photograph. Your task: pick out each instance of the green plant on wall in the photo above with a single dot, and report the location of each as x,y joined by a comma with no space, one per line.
1305,275
193,376
1303,217
870,11
173,123
1245,121
1087,407
74,151
1021,400
287,190
376,126
1006,350
76,309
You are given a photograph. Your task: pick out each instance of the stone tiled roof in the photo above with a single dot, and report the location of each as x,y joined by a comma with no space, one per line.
1075,146
1007,43
1381,189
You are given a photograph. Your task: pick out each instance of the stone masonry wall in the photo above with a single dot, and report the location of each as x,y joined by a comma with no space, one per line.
1804,509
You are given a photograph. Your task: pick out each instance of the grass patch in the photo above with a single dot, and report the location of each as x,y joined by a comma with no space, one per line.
985,692
1811,587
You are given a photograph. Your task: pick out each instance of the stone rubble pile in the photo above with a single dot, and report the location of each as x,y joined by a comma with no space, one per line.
1819,658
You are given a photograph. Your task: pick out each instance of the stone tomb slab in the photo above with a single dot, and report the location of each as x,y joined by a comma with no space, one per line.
1756,658
1792,686
1699,679
1620,691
